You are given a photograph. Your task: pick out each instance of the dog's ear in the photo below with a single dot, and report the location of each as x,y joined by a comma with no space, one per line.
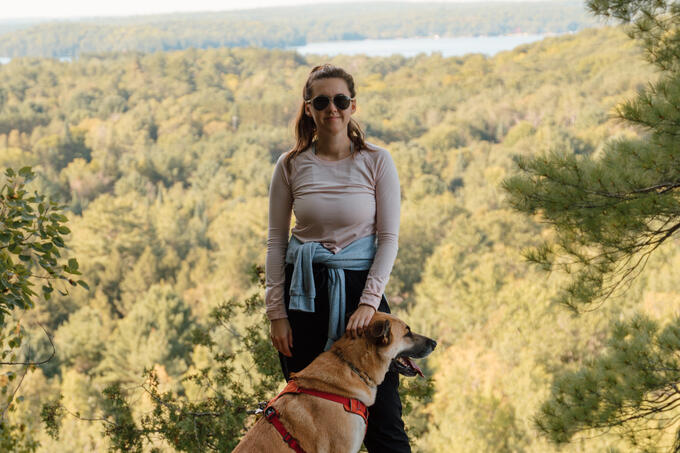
379,331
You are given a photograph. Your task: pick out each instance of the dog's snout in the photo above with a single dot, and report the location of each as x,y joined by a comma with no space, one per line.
431,343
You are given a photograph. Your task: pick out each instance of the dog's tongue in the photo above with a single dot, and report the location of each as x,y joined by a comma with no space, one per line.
414,366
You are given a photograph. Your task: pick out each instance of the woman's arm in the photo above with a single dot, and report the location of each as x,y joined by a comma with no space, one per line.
280,208
387,205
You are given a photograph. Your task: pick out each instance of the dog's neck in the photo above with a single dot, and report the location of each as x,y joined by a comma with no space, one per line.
359,382
362,375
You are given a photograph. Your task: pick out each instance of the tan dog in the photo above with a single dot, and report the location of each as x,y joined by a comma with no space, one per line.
351,368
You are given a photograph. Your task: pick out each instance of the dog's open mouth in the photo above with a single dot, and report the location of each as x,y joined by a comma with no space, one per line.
405,366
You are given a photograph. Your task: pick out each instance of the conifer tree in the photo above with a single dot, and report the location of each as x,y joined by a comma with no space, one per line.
609,212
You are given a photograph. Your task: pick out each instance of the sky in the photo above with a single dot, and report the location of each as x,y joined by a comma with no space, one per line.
89,8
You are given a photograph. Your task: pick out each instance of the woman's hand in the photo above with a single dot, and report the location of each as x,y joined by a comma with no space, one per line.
282,336
359,320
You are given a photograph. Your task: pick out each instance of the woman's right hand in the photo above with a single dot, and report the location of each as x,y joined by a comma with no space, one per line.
282,336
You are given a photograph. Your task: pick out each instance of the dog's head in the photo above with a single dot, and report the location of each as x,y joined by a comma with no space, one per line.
395,340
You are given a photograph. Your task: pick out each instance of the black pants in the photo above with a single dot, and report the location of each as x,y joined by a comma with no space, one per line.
385,433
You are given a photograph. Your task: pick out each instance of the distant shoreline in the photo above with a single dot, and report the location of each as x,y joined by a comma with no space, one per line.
513,39
293,26
410,47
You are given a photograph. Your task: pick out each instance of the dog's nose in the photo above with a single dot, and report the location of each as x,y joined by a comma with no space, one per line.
431,343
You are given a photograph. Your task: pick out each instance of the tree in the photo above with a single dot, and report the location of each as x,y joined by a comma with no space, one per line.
31,237
609,213
32,234
632,388
154,333
209,411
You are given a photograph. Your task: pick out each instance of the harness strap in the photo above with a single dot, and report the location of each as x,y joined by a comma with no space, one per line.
273,417
352,405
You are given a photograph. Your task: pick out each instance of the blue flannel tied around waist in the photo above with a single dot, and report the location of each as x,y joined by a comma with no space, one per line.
357,256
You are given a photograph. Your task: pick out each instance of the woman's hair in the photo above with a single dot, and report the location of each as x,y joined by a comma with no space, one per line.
305,129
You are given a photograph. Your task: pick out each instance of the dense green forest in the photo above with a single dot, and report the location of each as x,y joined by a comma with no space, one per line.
290,26
163,161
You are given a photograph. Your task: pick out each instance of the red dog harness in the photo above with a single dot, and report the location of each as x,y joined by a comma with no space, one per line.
352,405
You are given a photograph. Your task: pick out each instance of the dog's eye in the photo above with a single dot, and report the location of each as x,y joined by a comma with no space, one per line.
408,333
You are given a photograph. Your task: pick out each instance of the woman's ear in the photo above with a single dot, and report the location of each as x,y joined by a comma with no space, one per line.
354,106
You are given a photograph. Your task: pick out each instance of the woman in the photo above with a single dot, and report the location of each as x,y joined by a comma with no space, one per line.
345,195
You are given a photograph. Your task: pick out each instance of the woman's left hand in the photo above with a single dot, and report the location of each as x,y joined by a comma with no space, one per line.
359,320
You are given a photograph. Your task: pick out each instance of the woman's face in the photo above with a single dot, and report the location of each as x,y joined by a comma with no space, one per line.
331,120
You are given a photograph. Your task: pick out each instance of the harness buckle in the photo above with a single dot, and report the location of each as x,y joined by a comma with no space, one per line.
269,412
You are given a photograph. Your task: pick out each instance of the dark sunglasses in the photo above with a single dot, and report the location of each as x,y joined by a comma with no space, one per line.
341,101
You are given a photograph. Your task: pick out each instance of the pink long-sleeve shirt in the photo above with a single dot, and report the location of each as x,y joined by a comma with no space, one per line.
335,203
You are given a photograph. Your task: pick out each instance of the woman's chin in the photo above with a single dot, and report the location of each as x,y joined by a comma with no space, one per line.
335,127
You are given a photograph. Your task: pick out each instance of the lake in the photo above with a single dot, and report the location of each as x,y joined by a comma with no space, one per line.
409,47
5,60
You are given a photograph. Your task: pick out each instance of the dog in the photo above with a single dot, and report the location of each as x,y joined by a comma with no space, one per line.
303,418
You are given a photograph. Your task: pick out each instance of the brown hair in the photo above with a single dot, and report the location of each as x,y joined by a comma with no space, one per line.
305,129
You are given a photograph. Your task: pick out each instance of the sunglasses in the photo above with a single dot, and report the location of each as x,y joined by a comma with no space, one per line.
341,101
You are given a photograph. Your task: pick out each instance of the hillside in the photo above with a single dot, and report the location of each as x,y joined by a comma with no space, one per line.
164,160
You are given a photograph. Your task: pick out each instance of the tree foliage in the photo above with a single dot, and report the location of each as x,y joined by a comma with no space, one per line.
229,391
632,387
31,237
164,160
32,233
612,209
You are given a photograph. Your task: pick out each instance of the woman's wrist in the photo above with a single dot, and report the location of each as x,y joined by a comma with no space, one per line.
361,304
370,300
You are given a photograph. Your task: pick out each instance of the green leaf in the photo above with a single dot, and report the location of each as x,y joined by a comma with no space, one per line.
25,172
10,172
73,264
63,229
84,284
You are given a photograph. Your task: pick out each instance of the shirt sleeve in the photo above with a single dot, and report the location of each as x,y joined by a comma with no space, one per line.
280,208
388,203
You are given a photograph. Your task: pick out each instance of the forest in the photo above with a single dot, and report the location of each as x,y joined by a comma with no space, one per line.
162,163
289,26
